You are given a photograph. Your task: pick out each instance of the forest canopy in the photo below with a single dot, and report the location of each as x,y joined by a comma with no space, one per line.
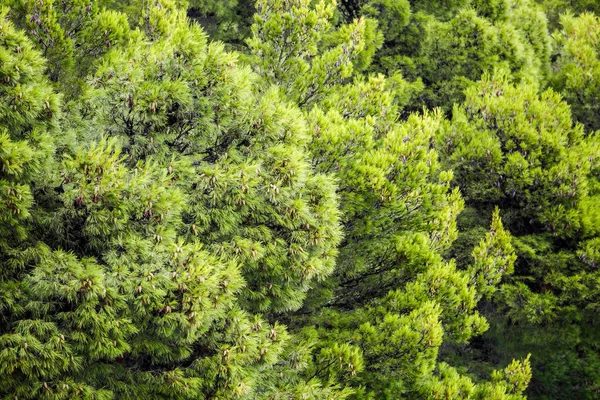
299,199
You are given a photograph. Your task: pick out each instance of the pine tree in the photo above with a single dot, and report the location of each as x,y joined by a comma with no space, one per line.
71,34
126,286
392,297
514,149
555,9
181,221
228,21
577,67
449,46
252,194
29,113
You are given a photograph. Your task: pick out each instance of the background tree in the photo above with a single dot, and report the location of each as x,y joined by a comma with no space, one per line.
514,149
449,46
555,8
577,67
228,21
71,34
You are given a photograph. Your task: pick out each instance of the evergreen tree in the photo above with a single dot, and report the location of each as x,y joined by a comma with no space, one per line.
29,110
449,46
225,20
71,34
556,8
126,285
238,154
577,67
514,149
392,297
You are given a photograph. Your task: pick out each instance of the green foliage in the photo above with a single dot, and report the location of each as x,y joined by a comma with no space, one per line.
278,223
29,110
71,35
519,151
493,257
128,286
292,46
226,20
512,148
508,383
252,194
449,46
392,297
555,8
577,67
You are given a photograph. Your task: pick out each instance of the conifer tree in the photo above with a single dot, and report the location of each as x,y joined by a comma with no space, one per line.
124,287
71,34
253,195
577,67
514,149
556,8
448,46
29,110
392,297
29,114
225,20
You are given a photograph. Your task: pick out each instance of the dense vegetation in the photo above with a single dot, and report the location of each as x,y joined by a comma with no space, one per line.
298,199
